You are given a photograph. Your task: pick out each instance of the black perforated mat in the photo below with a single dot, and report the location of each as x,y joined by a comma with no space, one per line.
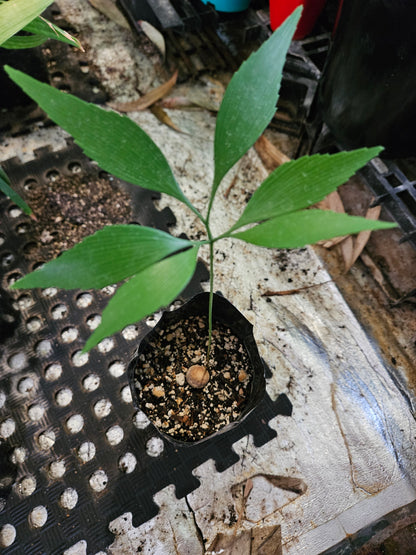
78,454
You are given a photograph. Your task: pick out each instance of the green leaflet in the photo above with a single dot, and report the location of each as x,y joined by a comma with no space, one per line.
110,255
13,196
42,30
18,43
301,183
16,14
155,287
115,142
43,27
305,227
250,100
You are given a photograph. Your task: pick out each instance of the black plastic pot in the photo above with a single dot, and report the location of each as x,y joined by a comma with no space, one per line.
367,94
224,313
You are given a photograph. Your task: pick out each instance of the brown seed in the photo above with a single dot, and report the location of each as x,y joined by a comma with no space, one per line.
197,376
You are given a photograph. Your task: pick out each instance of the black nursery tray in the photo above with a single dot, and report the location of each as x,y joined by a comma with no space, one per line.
84,455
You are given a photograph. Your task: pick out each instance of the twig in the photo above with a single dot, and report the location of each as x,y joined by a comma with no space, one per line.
271,293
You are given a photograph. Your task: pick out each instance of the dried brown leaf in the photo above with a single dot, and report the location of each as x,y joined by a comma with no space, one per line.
270,155
347,252
176,103
265,540
110,10
154,36
163,117
332,202
363,237
231,544
149,98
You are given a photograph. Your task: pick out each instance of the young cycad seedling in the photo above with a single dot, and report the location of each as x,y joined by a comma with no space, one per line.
157,265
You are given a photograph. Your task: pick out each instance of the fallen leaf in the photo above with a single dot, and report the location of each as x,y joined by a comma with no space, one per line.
230,544
154,35
148,99
282,293
110,10
373,213
265,540
270,155
332,202
347,251
176,103
163,117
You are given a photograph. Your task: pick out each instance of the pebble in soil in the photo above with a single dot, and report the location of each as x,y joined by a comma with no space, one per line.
191,413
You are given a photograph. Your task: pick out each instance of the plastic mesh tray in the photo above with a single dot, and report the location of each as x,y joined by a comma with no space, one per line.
85,455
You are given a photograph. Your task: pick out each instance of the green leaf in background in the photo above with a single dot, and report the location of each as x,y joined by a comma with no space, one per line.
115,142
13,196
19,43
110,255
43,27
42,30
301,183
142,295
306,227
250,100
16,14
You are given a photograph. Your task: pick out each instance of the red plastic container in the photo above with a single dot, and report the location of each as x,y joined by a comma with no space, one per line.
281,9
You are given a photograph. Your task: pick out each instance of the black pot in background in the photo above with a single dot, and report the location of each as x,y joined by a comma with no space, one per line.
367,94
224,313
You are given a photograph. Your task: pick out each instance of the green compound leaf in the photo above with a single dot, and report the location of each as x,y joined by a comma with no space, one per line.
155,287
13,196
16,14
301,183
306,227
110,255
115,142
250,100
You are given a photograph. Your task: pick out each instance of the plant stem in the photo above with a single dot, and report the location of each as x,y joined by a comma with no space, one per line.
211,293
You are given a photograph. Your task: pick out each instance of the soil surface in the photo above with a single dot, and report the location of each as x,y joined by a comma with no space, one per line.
67,209
164,394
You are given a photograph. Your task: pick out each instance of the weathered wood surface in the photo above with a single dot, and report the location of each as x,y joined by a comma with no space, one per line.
347,455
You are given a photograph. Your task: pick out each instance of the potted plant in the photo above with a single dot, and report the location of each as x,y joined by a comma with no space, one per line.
158,266
24,16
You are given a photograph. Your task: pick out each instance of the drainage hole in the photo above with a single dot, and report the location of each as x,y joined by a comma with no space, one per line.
26,385
98,481
91,382
7,260
83,300
68,335
13,278
59,311
53,372
22,228
30,184
30,248
14,211
93,321
79,358
52,175
117,368
74,167
43,348
63,397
